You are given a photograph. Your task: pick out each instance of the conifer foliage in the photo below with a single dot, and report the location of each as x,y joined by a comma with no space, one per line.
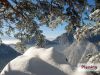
24,17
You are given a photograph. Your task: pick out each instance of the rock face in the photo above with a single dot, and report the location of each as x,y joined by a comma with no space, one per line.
38,61
64,38
6,54
61,42
79,51
76,51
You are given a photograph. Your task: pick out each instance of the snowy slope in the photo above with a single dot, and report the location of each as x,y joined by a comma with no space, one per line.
6,54
90,49
75,51
78,52
38,61
87,41
51,61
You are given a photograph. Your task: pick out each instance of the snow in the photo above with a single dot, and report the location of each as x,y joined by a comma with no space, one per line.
95,15
80,71
52,59
38,61
90,49
78,51
95,59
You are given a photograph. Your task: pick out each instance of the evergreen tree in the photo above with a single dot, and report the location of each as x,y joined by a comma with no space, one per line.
24,17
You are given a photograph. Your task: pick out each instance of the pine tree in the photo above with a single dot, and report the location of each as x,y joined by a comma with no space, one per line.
24,17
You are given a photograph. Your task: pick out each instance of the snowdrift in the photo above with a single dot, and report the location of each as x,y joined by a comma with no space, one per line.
38,61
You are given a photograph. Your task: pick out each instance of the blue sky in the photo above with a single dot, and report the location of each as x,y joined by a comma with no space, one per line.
53,33
49,33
